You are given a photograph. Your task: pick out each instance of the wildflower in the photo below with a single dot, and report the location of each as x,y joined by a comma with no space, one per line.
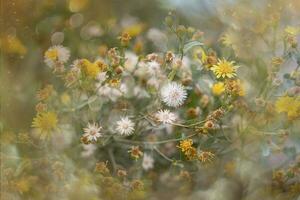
208,60
119,70
218,88
134,29
89,69
112,52
191,153
185,145
152,57
45,93
224,69
65,98
165,116
70,78
131,61
147,162
45,122
277,61
101,65
169,57
193,112
125,126
41,107
278,176
229,39
135,152
112,92
22,185
216,114
173,94
92,132
56,54
114,82
288,105
125,38
121,173
153,67
137,185
209,124
235,87
200,55
206,156
101,167
292,31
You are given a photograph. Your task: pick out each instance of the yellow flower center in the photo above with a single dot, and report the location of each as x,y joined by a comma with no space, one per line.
225,68
45,121
52,54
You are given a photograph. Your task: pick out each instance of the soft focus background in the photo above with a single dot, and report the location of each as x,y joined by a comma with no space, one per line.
30,27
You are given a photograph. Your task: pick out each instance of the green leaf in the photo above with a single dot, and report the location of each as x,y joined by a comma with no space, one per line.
190,45
172,74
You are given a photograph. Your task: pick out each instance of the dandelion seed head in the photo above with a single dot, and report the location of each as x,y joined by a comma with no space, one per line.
173,94
165,116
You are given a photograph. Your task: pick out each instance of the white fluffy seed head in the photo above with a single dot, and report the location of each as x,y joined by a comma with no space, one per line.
173,94
125,126
165,116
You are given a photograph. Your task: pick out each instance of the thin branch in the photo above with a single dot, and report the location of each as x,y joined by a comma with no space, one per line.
135,142
163,155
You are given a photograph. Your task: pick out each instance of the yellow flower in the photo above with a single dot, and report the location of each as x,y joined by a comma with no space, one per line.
52,54
12,45
200,55
65,98
185,145
289,105
292,31
45,122
229,39
135,29
224,69
218,88
22,185
89,69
